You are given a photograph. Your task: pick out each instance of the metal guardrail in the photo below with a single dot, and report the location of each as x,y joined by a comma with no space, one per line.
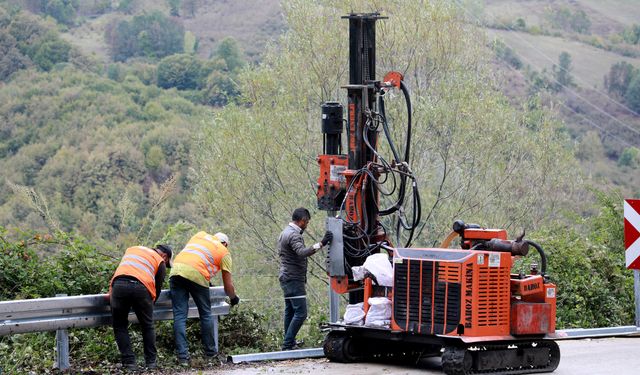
581,333
50,314
62,313
274,356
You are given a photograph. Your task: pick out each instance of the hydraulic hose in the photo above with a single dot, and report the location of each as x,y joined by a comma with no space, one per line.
543,257
407,151
407,98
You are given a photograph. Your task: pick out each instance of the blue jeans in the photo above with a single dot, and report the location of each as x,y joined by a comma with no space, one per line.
181,288
295,310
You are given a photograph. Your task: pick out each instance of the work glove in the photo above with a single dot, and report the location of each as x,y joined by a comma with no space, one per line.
328,236
234,301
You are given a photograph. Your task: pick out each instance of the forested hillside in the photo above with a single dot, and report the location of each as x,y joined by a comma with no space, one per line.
103,152
584,58
133,122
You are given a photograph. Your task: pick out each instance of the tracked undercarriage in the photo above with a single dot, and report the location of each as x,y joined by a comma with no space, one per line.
519,356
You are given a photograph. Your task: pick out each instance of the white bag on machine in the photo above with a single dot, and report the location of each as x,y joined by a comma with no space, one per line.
379,266
354,314
379,314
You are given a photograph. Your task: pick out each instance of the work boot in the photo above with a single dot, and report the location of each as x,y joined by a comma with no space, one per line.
215,359
130,367
298,345
151,366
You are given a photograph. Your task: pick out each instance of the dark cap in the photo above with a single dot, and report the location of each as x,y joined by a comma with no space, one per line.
167,250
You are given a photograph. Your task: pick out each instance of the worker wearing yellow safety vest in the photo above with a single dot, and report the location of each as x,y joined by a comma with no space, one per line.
136,284
194,267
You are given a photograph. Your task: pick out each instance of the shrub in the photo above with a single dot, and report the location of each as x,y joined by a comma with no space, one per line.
563,18
631,34
244,330
619,77
630,157
150,35
586,261
180,71
229,51
632,96
507,54
50,53
562,72
64,11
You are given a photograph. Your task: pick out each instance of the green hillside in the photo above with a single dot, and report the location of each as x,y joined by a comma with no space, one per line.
103,151
602,120
253,23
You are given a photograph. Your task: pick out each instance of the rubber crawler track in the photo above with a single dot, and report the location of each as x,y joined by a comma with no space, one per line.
459,360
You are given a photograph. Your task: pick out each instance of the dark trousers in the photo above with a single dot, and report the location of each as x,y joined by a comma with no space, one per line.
295,310
127,294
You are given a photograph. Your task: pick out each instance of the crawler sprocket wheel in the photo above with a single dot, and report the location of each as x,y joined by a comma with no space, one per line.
341,347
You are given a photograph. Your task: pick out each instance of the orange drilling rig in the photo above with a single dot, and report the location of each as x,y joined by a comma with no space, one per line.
464,304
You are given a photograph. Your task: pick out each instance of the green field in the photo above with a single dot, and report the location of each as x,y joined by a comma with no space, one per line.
590,64
623,11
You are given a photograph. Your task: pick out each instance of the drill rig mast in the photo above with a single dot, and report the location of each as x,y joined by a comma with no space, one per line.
463,304
351,183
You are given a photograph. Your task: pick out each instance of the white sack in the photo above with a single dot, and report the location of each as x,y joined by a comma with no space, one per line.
380,267
358,272
354,314
379,313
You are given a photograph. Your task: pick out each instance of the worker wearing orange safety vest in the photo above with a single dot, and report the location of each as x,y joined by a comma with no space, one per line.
136,284
194,268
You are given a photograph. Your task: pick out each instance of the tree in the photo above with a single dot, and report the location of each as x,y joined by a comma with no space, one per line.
127,6
631,34
220,88
562,72
64,11
630,157
11,59
150,35
619,77
632,97
507,54
189,8
51,53
229,51
563,18
180,71
174,7
590,147
580,22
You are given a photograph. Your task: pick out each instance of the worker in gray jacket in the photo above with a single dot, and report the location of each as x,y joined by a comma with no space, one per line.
293,273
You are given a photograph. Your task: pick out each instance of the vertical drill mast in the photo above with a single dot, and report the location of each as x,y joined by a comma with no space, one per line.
361,100
346,183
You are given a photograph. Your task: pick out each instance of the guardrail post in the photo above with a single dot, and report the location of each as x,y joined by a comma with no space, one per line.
62,347
215,332
636,284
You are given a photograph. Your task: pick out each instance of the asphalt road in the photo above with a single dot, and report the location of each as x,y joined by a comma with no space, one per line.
610,356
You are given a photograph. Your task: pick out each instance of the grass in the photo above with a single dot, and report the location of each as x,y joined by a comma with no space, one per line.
624,11
589,64
252,23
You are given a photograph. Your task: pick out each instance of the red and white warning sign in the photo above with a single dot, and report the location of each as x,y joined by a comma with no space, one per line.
632,233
